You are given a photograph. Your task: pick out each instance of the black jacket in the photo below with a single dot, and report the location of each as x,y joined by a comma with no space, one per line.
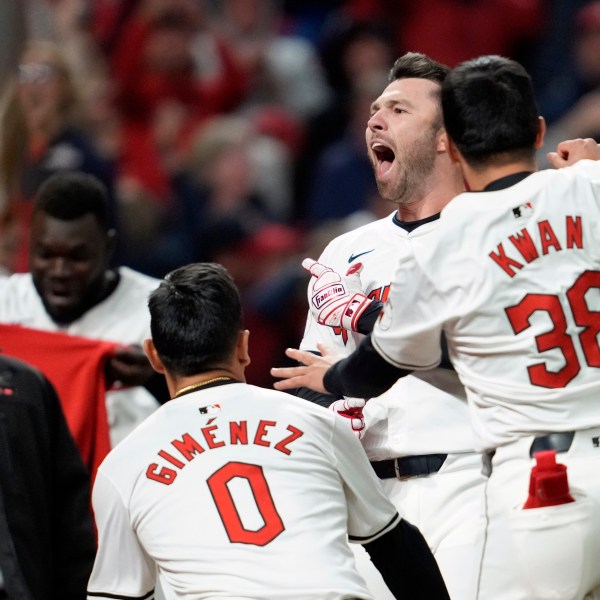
47,535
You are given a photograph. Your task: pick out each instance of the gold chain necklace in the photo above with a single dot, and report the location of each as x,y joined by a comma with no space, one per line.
195,386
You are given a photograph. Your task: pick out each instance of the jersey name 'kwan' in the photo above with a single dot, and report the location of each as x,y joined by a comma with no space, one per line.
524,243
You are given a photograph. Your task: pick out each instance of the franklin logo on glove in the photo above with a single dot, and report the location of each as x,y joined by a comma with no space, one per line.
335,291
336,300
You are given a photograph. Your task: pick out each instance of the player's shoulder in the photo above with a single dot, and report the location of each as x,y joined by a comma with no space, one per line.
480,206
16,282
488,204
364,239
586,168
28,389
288,401
136,279
365,230
132,291
12,368
17,296
237,399
132,452
284,406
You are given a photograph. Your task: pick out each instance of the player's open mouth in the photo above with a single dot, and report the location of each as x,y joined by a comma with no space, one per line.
384,157
59,297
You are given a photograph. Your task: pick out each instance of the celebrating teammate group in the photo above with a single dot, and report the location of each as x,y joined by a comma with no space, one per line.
438,437
502,288
465,324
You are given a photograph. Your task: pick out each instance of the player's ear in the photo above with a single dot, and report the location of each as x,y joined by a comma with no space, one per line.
442,141
541,132
242,353
152,354
111,242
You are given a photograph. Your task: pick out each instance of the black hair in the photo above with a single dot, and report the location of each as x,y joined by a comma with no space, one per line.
418,66
69,195
490,110
195,318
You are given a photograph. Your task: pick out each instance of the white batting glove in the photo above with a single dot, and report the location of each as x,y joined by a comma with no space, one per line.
352,410
335,300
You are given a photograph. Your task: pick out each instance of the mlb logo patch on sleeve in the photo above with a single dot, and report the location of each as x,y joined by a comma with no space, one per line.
523,210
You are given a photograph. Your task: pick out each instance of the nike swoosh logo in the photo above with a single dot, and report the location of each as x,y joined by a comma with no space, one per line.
355,256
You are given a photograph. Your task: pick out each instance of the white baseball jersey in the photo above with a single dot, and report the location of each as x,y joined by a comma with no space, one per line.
424,413
122,317
512,279
235,491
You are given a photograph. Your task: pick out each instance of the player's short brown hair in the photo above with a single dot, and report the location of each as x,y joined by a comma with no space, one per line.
418,66
415,65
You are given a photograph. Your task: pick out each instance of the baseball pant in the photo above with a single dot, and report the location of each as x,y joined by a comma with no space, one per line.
542,553
448,507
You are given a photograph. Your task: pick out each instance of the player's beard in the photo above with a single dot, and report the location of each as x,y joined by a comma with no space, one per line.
415,164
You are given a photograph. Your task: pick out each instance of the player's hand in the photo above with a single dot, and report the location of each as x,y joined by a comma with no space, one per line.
129,366
310,374
571,151
352,410
335,300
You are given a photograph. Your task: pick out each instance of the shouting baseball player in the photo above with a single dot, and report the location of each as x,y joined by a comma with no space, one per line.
511,277
234,491
418,435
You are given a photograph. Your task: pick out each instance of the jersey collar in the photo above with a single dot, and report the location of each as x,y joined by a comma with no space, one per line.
412,225
506,181
203,385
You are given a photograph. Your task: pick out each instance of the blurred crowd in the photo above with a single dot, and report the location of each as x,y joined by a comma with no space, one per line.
233,130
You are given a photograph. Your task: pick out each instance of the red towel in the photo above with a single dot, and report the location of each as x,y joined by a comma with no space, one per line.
75,367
